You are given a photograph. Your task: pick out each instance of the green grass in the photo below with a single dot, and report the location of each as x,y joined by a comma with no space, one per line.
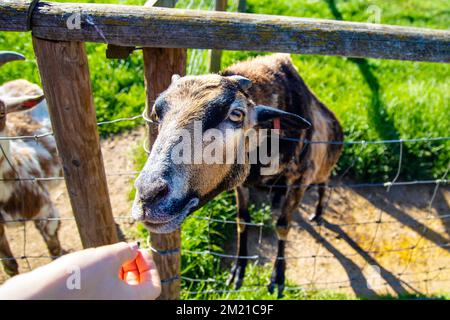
379,99
202,235
373,99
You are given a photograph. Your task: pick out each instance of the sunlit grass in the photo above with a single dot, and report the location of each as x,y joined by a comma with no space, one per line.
373,99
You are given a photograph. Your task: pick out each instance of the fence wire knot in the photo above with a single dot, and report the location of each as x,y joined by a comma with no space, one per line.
31,8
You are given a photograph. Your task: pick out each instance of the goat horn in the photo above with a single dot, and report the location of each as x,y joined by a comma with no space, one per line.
7,56
243,82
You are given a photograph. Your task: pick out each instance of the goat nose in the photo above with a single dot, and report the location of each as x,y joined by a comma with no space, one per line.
155,191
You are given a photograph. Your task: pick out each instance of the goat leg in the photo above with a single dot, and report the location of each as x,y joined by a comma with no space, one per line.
48,227
290,204
278,273
317,216
238,269
9,263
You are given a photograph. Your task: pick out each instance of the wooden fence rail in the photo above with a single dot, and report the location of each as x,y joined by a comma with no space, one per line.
176,28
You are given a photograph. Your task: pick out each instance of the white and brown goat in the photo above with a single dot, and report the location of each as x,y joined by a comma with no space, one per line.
23,112
263,93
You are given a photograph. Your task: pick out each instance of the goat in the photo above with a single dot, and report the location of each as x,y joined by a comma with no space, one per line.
263,93
23,159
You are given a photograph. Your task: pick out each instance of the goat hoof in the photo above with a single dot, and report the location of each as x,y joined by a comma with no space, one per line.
277,279
60,253
57,252
316,219
237,275
271,287
11,268
280,289
232,275
12,273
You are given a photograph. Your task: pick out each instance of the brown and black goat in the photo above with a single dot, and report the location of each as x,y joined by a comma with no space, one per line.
23,112
263,93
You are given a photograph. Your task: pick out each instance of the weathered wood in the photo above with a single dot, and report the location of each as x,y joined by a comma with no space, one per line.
216,55
159,66
168,262
176,28
65,77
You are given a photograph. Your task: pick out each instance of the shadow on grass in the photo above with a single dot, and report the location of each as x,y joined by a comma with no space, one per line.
386,130
379,118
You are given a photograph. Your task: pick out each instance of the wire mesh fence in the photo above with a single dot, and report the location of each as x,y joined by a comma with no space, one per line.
433,275
197,64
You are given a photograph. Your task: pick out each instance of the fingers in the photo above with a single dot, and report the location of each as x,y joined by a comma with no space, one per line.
150,283
130,273
140,269
132,278
126,252
140,278
120,252
147,268
144,261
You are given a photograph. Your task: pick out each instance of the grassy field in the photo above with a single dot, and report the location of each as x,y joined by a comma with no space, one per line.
374,100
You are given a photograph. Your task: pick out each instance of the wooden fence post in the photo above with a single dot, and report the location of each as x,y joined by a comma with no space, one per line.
159,66
242,6
216,55
64,71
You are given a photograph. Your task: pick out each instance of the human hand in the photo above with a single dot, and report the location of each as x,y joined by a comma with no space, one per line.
118,271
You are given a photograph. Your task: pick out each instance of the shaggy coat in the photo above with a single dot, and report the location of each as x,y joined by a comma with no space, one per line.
262,93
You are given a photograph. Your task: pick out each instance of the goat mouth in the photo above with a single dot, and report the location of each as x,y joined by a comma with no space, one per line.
175,222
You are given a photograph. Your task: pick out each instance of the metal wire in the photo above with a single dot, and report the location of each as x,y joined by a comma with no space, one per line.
261,225
349,142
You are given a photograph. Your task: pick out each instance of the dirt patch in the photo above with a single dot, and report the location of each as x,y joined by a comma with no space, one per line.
371,242
118,159
406,251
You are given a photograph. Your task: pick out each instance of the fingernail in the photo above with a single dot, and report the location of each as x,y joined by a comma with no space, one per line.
134,246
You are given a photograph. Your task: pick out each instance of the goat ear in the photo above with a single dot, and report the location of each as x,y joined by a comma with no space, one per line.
175,77
243,82
22,103
288,120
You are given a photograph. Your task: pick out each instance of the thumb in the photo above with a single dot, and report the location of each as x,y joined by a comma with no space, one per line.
121,252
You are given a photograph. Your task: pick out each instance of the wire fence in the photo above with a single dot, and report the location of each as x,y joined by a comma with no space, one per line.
197,64
431,276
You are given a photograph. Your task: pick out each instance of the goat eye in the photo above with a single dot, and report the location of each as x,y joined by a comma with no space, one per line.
237,115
